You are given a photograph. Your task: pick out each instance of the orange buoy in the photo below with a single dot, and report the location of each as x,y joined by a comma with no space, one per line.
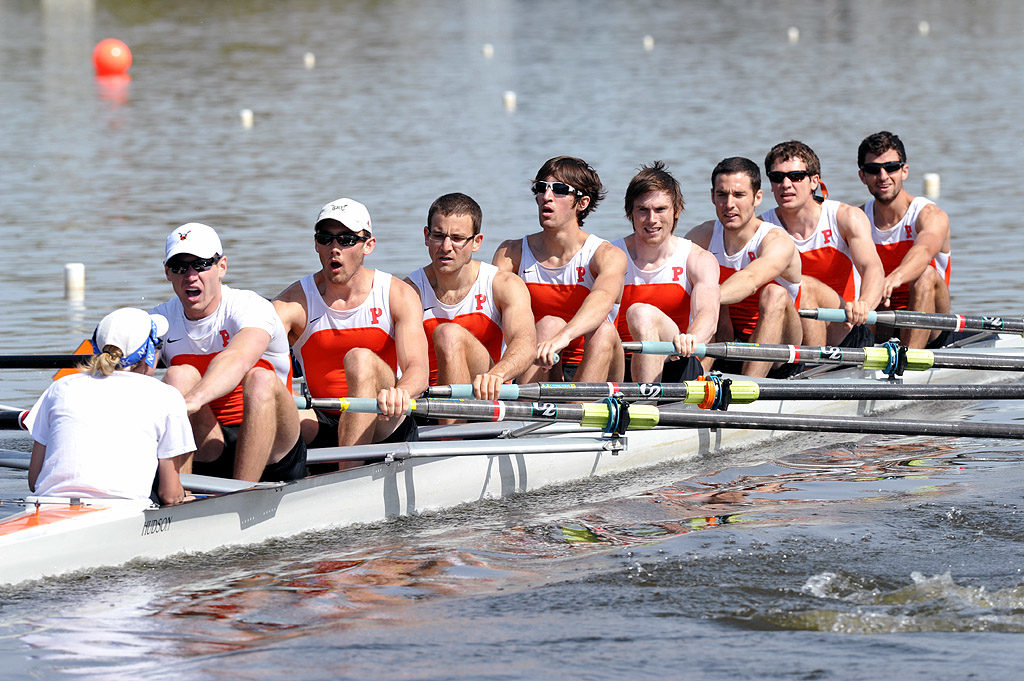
111,57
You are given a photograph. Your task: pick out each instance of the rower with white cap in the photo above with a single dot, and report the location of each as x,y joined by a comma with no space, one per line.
356,332
228,355
106,431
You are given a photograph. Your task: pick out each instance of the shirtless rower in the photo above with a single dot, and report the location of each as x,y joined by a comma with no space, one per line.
228,355
574,277
477,319
910,233
839,265
760,266
353,330
671,287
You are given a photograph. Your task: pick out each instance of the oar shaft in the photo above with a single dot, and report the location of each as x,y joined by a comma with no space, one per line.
910,319
41,361
742,392
840,424
12,420
869,358
642,416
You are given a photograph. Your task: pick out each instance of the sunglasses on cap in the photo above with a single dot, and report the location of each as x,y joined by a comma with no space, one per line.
876,168
199,265
777,176
557,188
344,240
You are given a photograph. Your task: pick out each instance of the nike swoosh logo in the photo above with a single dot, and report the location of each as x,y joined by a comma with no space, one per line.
428,308
172,340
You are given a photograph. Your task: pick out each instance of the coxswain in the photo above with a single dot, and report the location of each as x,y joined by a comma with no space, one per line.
108,429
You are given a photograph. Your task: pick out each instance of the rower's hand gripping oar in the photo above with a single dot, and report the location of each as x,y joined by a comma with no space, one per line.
909,319
616,418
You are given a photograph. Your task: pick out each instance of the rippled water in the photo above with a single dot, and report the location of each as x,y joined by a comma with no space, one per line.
814,560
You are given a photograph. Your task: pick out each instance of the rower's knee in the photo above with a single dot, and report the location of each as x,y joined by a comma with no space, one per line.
642,320
362,368
258,384
449,338
184,377
773,299
549,326
605,337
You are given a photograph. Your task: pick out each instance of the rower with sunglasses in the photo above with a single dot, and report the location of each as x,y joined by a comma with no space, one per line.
477,319
574,278
227,353
356,332
910,233
839,265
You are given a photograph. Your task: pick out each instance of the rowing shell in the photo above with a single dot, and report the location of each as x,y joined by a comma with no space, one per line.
55,536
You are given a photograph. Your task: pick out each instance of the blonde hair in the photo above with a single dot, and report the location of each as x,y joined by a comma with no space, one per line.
105,363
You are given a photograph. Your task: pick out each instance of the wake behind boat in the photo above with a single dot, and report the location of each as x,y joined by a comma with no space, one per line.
453,465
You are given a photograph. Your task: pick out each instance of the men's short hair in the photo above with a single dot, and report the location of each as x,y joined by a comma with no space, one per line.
784,151
654,178
738,164
579,174
456,203
878,144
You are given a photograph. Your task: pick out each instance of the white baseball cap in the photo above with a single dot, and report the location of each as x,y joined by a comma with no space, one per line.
195,239
134,332
352,214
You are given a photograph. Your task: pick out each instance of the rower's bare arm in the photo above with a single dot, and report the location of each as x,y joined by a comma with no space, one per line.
701,234
410,339
170,490
856,230
290,305
932,234
35,464
513,301
608,266
702,269
228,367
774,258
508,255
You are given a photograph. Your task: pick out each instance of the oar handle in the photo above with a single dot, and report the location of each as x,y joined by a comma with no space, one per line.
464,391
358,405
660,348
826,314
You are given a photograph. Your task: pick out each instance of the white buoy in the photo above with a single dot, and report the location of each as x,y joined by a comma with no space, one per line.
309,60
923,27
648,42
931,185
793,34
509,98
246,116
488,50
74,281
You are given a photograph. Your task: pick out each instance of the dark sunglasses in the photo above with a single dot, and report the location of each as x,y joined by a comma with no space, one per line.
199,265
876,168
777,176
557,188
344,240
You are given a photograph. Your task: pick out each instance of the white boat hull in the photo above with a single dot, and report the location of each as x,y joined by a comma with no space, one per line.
50,539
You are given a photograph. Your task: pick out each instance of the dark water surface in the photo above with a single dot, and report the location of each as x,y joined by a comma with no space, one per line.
818,559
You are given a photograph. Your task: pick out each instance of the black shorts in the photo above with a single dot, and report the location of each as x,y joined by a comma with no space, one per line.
860,336
327,430
291,467
675,370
